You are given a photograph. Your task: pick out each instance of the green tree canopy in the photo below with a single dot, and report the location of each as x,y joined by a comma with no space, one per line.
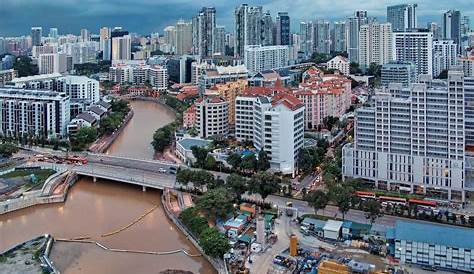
215,203
214,243
8,149
317,199
237,184
372,210
200,154
264,184
83,137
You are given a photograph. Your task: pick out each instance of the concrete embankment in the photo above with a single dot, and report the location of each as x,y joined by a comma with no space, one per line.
103,143
218,265
44,196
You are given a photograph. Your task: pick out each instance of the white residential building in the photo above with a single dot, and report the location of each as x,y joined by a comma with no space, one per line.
467,65
260,58
122,48
274,124
44,114
7,76
375,44
444,56
415,46
41,81
79,88
340,63
139,74
212,116
81,52
412,138
398,72
52,63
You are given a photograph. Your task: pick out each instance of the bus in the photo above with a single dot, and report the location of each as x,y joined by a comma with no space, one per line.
424,203
392,200
365,195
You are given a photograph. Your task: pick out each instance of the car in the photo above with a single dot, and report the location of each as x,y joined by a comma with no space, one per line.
162,170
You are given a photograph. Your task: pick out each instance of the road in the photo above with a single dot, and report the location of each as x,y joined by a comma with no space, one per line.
330,211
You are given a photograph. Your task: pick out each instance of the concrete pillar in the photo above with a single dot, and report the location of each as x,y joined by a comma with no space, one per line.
376,184
449,194
143,188
94,179
388,186
463,196
412,189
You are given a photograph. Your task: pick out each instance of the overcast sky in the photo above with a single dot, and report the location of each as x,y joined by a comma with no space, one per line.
146,16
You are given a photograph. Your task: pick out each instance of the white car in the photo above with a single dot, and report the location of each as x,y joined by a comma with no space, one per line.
162,170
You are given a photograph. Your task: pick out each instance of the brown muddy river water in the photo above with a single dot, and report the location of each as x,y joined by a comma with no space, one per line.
93,209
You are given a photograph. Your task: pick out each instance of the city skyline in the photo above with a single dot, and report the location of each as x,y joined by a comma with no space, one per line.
146,16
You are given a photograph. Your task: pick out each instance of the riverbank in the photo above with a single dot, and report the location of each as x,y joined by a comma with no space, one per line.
218,265
104,142
30,257
54,190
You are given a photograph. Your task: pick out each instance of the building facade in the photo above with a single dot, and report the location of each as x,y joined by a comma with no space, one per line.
412,137
444,56
283,29
139,74
398,72
340,63
375,44
402,17
415,46
413,245
260,58
323,96
44,114
212,116
274,124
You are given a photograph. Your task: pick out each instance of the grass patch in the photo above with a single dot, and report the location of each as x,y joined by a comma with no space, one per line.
41,175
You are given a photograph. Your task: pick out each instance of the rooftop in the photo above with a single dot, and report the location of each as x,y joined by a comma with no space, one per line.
188,143
433,234
36,77
86,117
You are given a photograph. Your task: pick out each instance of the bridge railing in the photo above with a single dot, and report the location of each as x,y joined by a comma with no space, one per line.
91,156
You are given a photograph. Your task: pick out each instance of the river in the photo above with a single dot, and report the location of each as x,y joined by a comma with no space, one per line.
93,209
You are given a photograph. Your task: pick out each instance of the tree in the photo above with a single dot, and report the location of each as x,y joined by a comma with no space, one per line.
162,138
248,163
214,243
183,176
25,67
354,68
264,184
234,160
372,210
8,149
210,162
215,203
83,137
200,154
263,162
237,184
319,58
190,217
342,196
317,199
110,123
374,70
330,122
